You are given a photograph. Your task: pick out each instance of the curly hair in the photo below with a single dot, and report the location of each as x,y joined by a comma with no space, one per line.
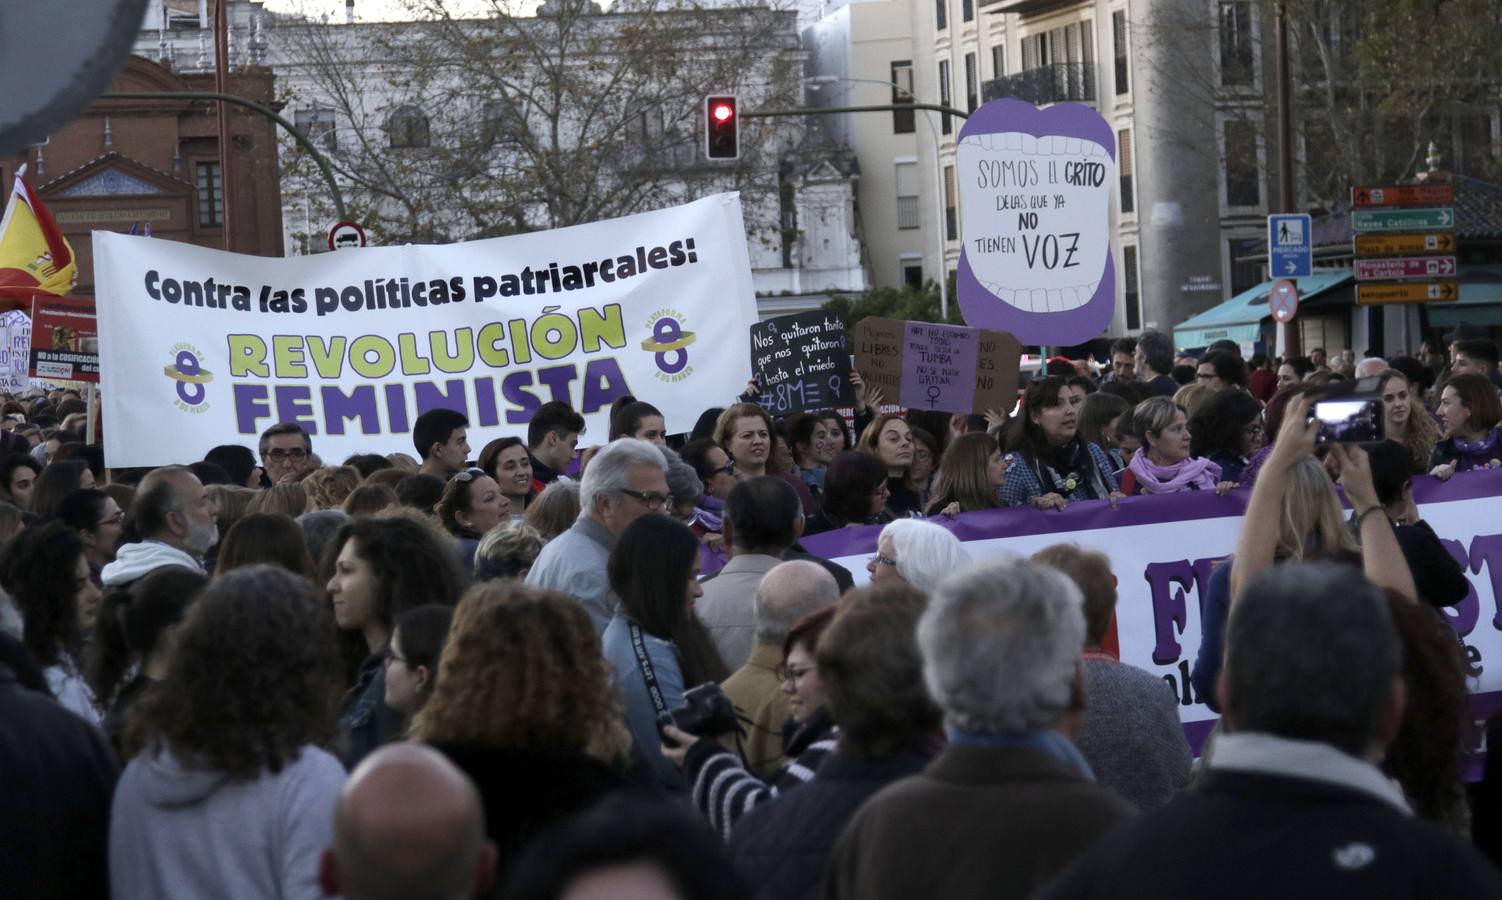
331,484
1219,425
131,620
507,551
523,668
41,574
264,537
1420,432
252,679
411,565
289,498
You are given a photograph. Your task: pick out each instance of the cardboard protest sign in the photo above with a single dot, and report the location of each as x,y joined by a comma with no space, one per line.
64,338
938,367
1035,189
802,362
211,347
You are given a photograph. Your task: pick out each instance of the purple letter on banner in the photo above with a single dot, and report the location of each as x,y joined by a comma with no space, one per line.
938,366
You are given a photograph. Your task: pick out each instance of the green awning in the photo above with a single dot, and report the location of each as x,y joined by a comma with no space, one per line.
1240,318
1480,300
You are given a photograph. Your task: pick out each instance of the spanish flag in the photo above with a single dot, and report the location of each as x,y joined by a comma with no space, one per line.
35,258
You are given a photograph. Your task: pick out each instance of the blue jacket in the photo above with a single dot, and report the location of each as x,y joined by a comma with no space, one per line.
641,711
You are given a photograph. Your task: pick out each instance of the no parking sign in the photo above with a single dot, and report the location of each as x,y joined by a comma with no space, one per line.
1283,300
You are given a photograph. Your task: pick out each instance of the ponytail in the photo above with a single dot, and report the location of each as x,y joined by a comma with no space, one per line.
132,621
109,653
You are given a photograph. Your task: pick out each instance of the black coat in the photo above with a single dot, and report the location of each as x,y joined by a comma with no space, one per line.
57,777
1244,834
783,846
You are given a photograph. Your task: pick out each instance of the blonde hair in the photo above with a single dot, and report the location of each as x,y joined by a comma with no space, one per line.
523,668
289,498
1420,432
330,485
233,502
724,426
1192,396
1311,523
962,474
554,510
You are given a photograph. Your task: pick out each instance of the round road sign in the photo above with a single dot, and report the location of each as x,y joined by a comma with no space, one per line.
1283,300
345,235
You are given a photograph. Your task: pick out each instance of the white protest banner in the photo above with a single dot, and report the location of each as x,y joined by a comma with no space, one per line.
1163,550
200,348
15,351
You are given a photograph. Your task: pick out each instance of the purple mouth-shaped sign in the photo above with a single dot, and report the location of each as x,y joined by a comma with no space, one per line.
1036,236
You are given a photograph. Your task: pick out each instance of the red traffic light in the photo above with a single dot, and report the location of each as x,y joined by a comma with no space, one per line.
721,140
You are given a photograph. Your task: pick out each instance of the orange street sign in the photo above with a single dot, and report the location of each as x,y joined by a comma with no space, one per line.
1404,244
1432,292
1403,195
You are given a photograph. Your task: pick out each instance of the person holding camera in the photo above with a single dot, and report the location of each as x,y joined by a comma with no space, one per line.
722,787
654,643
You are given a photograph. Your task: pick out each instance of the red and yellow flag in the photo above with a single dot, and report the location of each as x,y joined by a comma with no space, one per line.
35,258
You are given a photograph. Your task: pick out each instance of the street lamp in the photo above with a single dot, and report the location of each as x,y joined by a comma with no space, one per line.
816,82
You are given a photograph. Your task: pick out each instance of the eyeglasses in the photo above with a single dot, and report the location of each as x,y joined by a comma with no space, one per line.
282,455
469,475
792,673
115,519
653,501
728,468
880,560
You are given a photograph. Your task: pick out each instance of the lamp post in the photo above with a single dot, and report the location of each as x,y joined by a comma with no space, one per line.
816,82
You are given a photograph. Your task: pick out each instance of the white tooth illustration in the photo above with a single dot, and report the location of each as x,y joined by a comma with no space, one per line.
1058,265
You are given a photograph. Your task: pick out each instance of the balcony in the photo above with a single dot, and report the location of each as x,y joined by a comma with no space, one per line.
1054,83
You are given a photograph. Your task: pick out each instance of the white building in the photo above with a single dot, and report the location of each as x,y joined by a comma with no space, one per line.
452,150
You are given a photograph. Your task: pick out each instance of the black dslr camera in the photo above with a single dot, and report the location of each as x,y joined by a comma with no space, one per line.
706,712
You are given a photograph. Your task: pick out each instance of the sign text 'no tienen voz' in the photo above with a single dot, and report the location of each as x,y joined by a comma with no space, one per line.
1036,192
201,347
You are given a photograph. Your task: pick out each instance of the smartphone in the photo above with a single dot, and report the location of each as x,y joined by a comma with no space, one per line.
1350,413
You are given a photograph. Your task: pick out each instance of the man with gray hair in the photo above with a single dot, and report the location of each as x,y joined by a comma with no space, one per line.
624,481
408,826
1312,693
1010,802
787,593
1153,361
1371,367
175,520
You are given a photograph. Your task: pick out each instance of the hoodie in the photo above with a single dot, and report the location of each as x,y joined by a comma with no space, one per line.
177,831
135,561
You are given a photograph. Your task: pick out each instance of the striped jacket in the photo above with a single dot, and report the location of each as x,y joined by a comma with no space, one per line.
724,790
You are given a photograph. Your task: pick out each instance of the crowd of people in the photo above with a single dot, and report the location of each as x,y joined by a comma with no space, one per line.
542,670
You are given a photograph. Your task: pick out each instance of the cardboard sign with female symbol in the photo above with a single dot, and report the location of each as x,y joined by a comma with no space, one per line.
938,367
1036,192
1283,300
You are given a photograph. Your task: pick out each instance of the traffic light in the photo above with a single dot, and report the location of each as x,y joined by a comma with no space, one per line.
721,123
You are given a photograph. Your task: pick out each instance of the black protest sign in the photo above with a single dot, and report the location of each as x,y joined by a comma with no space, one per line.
802,362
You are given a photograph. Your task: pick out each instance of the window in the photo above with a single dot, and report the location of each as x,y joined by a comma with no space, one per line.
1243,175
787,207
941,18
972,83
1245,274
907,195
967,10
210,195
406,127
902,92
1132,298
317,125
1235,42
951,213
912,275
1119,47
1124,157
946,97
998,61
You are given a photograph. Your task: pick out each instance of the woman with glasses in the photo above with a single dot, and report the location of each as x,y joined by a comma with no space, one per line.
918,553
1052,464
417,640
655,644
471,505
723,788
890,440
1165,464
382,568
97,518
716,473
1227,430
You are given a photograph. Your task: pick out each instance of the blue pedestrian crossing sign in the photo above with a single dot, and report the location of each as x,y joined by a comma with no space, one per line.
1290,246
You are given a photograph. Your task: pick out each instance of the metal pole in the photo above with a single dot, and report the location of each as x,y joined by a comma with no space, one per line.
91,394
1285,146
307,145
226,145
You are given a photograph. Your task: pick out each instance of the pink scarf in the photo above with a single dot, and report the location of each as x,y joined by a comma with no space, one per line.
1194,472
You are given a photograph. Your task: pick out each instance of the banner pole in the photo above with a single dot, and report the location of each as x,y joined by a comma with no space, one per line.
90,396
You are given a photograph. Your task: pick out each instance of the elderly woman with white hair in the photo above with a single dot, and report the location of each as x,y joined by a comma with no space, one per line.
916,552
1002,647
